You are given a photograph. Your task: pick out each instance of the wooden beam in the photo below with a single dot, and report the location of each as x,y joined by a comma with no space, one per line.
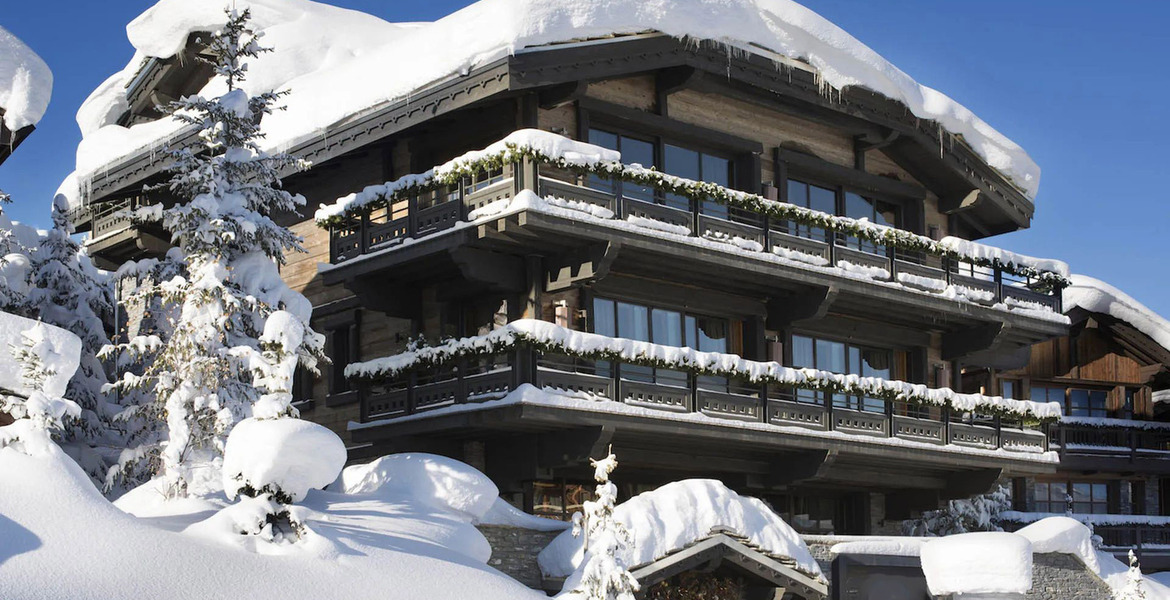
500,272
958,344
573,447
803,466
814,304
970,483
581,267
959,202
565,93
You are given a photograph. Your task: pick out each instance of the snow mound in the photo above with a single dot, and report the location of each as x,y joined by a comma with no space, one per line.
1097,296
338,64
1064,535
26,83
679,514
504,514
440,483
893,546
60,352
978,563
246,524
289,455
385,551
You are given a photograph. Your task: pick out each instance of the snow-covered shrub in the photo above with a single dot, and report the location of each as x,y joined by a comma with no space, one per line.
440,483
978,513
605,574
33,400
217,357
282,457
1135,584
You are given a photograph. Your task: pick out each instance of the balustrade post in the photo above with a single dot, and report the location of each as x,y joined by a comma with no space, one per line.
363,401
696,221
832,422
411,215
460,382
998,284
1133,444
616,373
332,245
411,384
889,418
1063,433
831,240
764,402
364,233
946,265
946,425
618,201
693,383
998,431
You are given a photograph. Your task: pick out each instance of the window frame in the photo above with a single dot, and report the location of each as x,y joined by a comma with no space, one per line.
852,402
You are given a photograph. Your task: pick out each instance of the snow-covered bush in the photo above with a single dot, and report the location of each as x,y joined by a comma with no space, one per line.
605,574
1135,584
978,513
45,358
282,457
440,483
217,357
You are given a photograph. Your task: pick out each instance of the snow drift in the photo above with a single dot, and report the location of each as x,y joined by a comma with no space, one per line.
678,514
978,563
290,455
368,62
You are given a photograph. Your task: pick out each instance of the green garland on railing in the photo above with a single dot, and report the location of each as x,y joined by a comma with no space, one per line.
486,347
451,174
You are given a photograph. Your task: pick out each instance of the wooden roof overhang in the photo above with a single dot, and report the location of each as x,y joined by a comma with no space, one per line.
1154,357
723,550
975,193
9,139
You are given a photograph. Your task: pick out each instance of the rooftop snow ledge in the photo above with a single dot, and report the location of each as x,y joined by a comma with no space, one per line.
368,70
581,157
1097,296
25,83
552,338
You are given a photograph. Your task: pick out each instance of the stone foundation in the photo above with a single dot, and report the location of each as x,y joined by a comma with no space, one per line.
514,551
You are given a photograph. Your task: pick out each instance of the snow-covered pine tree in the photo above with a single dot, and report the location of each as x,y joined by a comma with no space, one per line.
978,513
66,290
606,574
38,415
229,249
1134,582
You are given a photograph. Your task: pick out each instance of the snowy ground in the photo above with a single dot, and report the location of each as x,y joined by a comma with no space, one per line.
60,539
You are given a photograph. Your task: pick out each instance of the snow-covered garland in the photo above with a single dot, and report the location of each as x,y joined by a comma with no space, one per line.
563,153
546,337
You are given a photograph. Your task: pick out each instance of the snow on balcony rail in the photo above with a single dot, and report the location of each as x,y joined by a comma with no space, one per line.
554,339
587,159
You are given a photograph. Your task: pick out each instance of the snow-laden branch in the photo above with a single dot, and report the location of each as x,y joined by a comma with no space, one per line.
560,152
553,339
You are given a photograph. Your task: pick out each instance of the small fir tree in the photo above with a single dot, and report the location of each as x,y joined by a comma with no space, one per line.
1135,587
38,416
605,574
229,251
978,513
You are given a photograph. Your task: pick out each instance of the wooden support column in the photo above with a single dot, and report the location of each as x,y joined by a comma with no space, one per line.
786,310
534,270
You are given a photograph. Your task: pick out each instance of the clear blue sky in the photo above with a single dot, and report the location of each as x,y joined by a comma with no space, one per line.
1081,85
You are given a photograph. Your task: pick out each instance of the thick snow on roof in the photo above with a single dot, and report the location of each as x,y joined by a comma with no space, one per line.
59,350
1097,296
986,562
337,63
25,83
679,514
382,547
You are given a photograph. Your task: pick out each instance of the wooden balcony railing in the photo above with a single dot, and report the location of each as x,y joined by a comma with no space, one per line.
437,210
475,380
1111,440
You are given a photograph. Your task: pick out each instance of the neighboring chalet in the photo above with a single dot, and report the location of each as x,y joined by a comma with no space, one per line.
1113,440
25,86
531,246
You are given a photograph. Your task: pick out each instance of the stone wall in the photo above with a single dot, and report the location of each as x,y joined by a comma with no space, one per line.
514,551
1064,577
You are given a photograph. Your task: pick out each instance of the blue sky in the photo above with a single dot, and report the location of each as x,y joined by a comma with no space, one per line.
1081,85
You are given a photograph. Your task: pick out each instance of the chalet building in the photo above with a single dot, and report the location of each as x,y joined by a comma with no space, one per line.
805,227
1113,437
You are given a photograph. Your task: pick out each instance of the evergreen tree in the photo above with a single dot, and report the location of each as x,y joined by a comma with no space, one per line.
37,415
66,290
605,575
978,513
1134,583
229,252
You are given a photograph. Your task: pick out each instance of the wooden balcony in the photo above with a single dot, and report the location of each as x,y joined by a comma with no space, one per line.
1112,445
419,216
469,381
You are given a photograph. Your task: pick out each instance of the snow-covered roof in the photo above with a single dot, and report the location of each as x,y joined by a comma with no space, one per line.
679,514
25,83
1097,296
337,63
59,350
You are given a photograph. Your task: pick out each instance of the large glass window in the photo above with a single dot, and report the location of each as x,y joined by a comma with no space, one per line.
616,318
1041,393
699,166
1083,497
1086,403
875,211
840,357
634,151
812,197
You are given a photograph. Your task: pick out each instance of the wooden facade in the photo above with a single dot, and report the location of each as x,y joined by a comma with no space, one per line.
845,469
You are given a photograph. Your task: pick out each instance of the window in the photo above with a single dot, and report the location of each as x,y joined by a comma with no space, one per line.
1010,388
1085,497
874,211
616,318
558,499
634,151
840,357
698,166
340,354
812,197
1047,394
1086,403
